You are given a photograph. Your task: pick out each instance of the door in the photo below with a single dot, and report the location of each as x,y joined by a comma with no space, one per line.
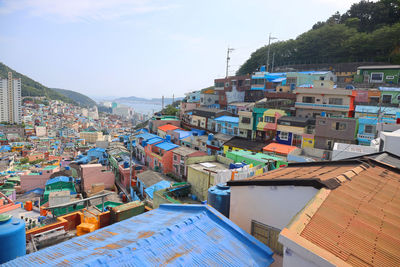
268,235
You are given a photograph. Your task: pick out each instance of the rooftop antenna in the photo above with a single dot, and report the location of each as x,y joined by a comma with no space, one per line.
269,48
227,60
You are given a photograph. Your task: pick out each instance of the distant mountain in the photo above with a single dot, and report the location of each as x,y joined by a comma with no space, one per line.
79,98
147,100
33,88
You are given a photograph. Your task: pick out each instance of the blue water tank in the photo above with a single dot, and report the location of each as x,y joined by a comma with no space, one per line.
12,237
210,137
67,168
219,197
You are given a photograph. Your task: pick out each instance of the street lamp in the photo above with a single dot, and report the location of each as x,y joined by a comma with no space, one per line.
269,47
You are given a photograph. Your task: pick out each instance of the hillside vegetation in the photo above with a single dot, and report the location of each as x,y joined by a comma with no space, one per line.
79,98
31,87
368,31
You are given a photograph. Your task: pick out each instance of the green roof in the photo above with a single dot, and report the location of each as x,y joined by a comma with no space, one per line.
255,156
50,167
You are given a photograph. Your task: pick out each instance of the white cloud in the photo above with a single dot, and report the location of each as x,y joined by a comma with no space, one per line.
77,10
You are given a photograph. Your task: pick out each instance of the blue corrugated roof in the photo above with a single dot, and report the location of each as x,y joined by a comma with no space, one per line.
154,140
146,136
166,146
58,179
155,187
176,235
227,119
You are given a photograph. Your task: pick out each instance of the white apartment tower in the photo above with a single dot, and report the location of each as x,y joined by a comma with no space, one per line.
10,99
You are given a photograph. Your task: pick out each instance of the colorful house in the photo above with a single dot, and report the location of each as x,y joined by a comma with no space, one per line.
374,111
159,156
367,130
390,95
179,161
378,74
227,125
267,124
295,131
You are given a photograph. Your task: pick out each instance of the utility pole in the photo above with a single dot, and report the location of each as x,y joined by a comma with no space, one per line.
130,164
273,61
227,60
269,48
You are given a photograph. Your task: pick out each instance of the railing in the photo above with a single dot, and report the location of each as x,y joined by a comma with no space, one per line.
313,105
366,136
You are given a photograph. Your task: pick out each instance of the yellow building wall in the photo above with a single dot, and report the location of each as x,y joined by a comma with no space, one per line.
199,182
308,142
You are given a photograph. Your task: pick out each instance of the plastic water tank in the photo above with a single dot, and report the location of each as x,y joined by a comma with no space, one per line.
12,236
219,197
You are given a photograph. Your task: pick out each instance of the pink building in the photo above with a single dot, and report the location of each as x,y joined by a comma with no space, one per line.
96,174
179,160
159,156
37,179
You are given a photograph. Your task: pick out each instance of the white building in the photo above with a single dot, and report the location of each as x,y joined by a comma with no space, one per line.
10,99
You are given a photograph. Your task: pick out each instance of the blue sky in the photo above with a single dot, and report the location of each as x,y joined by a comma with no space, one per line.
142,47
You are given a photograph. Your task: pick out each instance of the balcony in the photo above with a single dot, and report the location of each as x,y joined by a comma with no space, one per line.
321,106
368,137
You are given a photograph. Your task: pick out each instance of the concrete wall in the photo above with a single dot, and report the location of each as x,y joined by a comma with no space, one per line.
271,205
193,160
29,182
292,259
200,182
96,174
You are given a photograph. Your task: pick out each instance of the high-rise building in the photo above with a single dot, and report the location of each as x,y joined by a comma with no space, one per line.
10,99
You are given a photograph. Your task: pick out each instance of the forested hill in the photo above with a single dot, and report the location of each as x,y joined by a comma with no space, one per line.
82,100
368,31
31,87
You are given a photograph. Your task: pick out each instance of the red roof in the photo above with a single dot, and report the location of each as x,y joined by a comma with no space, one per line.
168,127
279,148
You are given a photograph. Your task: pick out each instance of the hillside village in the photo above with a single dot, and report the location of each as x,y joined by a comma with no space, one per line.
315,154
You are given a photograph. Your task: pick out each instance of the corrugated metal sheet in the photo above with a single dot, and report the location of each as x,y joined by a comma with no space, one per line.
178,235
158,186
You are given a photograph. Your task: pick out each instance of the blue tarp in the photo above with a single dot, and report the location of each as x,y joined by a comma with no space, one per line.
155,187
174,235
5,148
166,146
59,179
229,119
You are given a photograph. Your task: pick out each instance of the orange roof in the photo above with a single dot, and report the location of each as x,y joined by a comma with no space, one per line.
168,127
357,223
279,148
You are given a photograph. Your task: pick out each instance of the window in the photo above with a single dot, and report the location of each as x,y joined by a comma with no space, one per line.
247,82
398,98
175,158
376,77
387,99
234,82
258,81
322,123
339,126
370,129
235,130
308,99
336,101
246,120
284,136
227,84
219,84
269,119
267,235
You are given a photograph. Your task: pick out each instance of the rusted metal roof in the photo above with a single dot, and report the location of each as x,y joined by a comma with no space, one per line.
358,222
317,174
178,235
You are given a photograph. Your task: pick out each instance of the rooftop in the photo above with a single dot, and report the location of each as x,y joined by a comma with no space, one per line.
177,235
168,127
211,165
358,223
279,148
245,143
186,151
150,178
167,146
